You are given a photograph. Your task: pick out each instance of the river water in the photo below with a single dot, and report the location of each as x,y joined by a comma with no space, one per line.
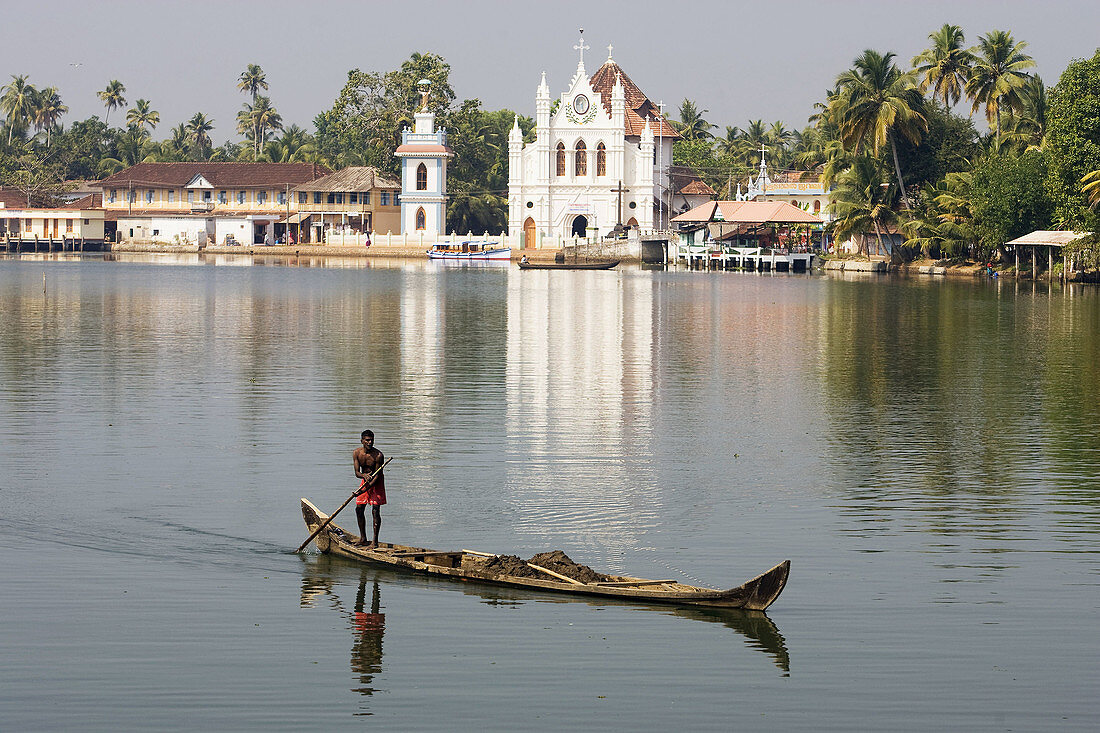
926,452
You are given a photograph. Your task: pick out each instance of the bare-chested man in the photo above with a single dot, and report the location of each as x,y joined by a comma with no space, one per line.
366,460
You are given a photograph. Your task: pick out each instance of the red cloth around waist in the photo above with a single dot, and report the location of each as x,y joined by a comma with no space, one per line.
375,495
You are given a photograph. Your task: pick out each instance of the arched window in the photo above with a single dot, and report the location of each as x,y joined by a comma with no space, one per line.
561,159
817,206
421,219
601,160
422,177
580,163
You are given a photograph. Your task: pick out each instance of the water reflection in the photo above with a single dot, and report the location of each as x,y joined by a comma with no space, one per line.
368,623
321,575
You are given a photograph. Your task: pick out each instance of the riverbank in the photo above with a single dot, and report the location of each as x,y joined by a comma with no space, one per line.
305,250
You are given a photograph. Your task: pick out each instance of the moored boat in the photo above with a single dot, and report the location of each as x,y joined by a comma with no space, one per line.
568,265
470,250
756,594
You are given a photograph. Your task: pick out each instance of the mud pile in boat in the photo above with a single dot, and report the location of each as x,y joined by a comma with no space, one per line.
556,560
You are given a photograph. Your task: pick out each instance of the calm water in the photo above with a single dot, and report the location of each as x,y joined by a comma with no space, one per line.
927,453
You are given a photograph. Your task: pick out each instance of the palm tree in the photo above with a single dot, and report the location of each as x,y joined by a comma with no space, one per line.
252,80
18,102
945,66
112,97
876,101
754,137
256,119
692,124
48,110
863,200
1091,188
1026,127
947,226
293,146
998,77
198,128
141,115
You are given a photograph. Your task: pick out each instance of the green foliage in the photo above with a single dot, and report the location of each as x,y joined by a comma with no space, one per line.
950,145
1073,142
864,201
1008,198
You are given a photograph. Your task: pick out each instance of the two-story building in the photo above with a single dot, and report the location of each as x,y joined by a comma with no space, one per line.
346,206
189,203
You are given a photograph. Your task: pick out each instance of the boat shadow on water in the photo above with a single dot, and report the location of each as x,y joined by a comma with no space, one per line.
323,574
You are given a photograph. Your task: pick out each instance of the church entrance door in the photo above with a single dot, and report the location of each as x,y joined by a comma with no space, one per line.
529,233
580,227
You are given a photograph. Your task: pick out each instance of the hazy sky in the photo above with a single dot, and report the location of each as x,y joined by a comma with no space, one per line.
740,61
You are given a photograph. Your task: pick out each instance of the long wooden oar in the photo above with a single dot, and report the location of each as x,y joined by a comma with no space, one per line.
333,515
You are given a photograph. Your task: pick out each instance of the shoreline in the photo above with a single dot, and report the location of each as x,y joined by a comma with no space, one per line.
318,250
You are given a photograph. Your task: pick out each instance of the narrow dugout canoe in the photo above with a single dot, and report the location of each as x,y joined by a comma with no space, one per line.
568,265
756,594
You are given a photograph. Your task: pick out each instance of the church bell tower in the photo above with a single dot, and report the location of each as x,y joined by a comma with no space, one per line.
424,155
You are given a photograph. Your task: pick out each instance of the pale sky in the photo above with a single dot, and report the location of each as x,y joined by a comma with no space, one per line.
739,60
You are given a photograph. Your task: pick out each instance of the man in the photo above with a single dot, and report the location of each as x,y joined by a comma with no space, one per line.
366,460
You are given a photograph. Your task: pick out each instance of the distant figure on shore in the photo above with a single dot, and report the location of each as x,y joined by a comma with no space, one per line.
366,460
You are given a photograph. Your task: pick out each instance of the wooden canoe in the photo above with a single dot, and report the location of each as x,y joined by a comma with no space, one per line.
756,594
568,265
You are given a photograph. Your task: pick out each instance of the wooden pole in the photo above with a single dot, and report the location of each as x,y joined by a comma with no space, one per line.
333,515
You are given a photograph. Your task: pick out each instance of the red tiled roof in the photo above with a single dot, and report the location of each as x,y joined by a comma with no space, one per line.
219,174
91,201
749,212
638,106
15,199
697,188
420,149
12,199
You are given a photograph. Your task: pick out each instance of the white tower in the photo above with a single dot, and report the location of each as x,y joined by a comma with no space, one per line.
424,154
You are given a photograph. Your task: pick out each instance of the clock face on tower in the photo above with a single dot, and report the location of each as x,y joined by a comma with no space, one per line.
580,104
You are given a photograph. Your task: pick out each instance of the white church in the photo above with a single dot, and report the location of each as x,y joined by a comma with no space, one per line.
600,159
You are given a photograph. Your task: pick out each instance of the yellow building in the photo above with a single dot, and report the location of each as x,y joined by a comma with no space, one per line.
223,203
346,206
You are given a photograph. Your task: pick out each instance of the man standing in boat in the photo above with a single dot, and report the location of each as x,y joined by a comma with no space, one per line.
366,460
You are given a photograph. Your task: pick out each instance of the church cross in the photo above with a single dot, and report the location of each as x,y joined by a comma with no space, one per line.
620,190
609,47
581,47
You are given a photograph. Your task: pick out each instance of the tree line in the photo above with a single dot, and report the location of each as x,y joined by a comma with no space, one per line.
899,159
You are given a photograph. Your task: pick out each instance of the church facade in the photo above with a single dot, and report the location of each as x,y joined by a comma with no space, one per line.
600,159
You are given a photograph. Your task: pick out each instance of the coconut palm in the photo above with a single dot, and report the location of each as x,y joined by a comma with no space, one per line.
947,225
863,200
141,115
112,97
18,102
1091,188
754,137
944,66
692,125
998,77
48,110
1026,127
252,80
293,146
877,101
198,129
256,119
